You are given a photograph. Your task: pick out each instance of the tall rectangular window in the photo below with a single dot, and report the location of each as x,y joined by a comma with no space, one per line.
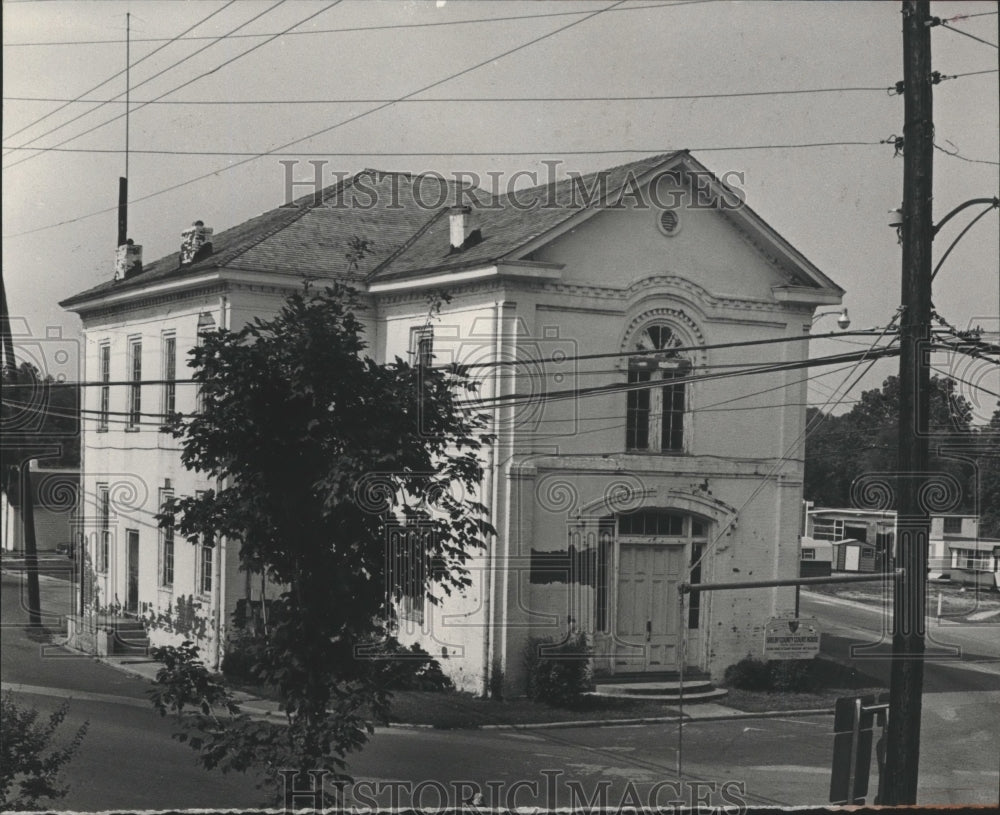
408,560
135,383
104,372
166,548
207,555
206,325
422,346
637,413
672,421
602,587
694,598
167,572
103,527
169,374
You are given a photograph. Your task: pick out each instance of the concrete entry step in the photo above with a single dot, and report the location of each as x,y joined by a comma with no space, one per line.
652,688
128,636
691,696
631,677
663,686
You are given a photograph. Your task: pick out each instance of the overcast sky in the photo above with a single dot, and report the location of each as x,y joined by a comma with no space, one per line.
829,201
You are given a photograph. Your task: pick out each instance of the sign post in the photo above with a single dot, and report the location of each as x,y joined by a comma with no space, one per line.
854,724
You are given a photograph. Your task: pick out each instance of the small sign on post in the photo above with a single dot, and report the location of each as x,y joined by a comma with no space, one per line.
791,638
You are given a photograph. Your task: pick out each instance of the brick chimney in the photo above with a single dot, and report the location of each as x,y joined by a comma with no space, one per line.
128,260
196,243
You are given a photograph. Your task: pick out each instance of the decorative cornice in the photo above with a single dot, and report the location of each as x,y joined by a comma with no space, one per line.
130,307
692,290
489,286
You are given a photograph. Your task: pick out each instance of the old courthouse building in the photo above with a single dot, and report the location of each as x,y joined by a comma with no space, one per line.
619,470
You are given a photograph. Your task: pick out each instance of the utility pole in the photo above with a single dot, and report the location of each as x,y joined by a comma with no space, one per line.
910,595
30,546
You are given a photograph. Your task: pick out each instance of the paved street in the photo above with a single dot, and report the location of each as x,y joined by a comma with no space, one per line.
959,748
129,761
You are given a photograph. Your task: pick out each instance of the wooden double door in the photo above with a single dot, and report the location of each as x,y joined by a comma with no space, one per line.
647,619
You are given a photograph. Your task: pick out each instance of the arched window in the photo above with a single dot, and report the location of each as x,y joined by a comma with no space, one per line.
654,415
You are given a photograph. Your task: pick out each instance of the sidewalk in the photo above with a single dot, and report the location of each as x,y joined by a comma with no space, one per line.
147,668
700,712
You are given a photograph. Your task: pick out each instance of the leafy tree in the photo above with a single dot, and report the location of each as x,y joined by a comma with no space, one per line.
39,417
325,456
30,764
865,439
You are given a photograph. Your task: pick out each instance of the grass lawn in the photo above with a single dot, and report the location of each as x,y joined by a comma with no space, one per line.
831,679
762,702
454,710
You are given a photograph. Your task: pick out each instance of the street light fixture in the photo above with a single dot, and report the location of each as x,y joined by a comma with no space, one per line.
843,320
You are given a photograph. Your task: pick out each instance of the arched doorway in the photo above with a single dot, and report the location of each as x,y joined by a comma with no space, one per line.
654,552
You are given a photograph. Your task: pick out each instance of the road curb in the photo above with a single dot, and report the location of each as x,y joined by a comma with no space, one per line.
687,719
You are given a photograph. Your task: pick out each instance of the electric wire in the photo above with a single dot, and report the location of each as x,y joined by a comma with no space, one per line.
190,81
948,27
456,99
964,381
601,390
234,165
810,428
956,154
355,29
60,413
215,41
252,154
115,76
970,16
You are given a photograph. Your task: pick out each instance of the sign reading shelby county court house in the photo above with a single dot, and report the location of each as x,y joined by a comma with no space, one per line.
791,638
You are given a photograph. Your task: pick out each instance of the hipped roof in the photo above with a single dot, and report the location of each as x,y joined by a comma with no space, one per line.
405,218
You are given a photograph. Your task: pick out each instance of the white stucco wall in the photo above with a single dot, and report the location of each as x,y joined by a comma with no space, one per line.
740,470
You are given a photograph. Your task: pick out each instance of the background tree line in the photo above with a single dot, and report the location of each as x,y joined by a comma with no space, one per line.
865,440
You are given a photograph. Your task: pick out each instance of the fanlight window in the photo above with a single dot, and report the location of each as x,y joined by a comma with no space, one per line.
654,415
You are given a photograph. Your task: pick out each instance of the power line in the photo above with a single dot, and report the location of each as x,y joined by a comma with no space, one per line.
801,439
595,390
956,154
965,381
451,153
976,73
355,29
190,81
460,99
115,76
967,34
195,53
970,16
92,414
388,154
561,360
625,387
680,349
236,164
